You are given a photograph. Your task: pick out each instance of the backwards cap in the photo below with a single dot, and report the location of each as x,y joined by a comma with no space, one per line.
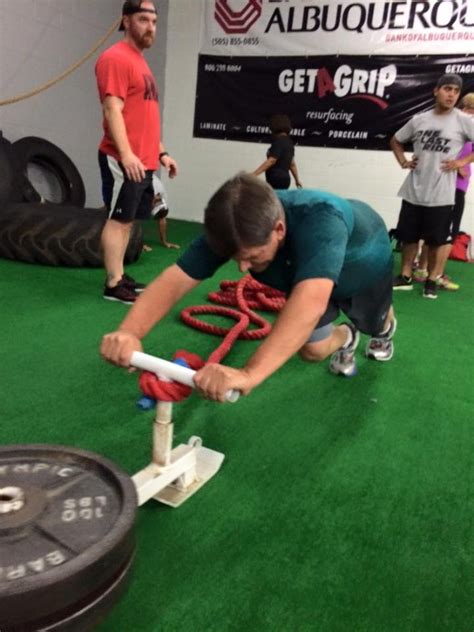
134,6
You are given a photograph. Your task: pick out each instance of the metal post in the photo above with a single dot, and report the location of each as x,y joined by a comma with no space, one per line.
162,434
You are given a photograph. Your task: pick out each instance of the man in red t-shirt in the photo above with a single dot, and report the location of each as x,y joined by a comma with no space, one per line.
131,148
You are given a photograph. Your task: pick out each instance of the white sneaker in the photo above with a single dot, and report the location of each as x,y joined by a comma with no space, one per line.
381,348
343,360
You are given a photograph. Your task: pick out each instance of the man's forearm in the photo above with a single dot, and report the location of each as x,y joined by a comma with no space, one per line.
467,159
157,300
398,151
457,163
291,331
269,162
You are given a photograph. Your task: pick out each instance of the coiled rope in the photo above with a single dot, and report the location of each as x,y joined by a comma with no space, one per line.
247,294
63,75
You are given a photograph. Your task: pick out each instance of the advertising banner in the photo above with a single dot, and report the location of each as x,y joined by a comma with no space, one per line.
324,27
341,86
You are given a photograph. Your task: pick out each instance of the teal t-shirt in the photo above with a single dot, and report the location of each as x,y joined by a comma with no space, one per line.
326,237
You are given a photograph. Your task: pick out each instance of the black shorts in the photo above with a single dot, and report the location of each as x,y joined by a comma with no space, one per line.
367,310
430,223
125,200
278,180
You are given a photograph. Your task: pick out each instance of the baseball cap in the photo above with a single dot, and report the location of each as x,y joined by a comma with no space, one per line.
130,7
449,80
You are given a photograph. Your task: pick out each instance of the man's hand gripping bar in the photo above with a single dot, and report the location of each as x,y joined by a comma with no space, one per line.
172,371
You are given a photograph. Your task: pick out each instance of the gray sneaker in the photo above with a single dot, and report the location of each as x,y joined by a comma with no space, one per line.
381,348
343,360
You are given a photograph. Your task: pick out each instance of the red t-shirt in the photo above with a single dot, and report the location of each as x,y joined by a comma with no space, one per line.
123,72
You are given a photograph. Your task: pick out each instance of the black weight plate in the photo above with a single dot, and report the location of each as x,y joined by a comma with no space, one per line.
71,534
87,614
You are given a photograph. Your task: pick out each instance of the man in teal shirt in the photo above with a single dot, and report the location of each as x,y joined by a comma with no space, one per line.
327,253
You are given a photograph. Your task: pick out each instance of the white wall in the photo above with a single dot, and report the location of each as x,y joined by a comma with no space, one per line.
371,176
39,39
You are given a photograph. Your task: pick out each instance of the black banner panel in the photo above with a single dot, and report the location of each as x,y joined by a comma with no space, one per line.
351,101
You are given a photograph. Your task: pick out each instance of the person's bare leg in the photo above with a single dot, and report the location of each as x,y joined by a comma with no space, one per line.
114,241
320,350
423,260
442,258
409,252
437,257
162,232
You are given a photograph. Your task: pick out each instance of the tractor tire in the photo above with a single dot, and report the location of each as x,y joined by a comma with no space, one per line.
49,158
57,235
6,169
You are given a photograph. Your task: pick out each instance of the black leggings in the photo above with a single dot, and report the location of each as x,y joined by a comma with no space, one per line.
457,213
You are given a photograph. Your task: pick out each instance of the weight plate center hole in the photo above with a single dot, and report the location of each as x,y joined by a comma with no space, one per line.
11,499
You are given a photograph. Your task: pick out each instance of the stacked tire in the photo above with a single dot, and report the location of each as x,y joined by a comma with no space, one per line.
59,233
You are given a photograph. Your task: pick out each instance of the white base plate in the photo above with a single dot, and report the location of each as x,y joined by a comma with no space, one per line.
208,463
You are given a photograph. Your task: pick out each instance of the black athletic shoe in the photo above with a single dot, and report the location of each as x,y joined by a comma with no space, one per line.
132,284
431,289
121,292
401,282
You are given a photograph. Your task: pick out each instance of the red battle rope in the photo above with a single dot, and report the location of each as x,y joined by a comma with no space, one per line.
247,294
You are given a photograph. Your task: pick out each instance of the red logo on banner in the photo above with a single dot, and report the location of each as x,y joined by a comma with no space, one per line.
237,21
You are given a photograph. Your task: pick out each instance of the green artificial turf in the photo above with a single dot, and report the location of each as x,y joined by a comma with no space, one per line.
342,504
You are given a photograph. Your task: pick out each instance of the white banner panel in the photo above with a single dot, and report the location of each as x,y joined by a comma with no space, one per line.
322,27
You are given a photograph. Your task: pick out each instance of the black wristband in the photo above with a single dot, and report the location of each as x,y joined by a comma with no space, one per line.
163,153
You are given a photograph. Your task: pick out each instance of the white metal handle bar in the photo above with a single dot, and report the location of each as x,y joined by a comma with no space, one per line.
172,371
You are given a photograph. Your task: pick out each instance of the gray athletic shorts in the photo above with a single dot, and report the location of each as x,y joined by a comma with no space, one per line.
367,310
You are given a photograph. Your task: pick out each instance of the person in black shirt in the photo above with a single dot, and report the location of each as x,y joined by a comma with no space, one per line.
280,156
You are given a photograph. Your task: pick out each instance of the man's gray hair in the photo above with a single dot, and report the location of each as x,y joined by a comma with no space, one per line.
241,214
